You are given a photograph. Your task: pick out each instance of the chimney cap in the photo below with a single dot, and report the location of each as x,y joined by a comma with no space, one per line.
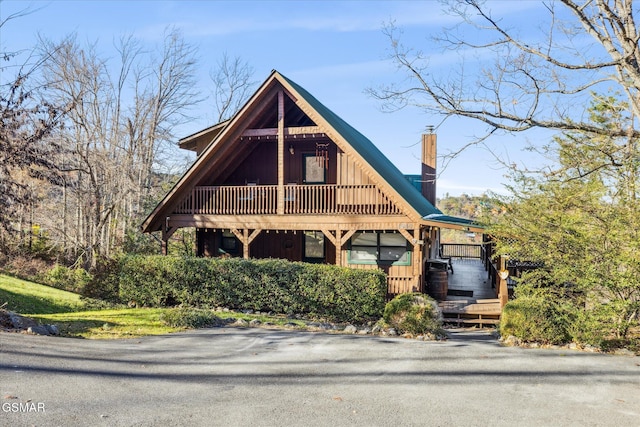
430,128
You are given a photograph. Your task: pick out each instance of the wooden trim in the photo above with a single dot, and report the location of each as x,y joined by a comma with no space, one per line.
290,131
294,222
408,236
245,238
333,239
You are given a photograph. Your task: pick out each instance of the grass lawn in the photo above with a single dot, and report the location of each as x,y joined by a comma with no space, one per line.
26,297
75,317
117,323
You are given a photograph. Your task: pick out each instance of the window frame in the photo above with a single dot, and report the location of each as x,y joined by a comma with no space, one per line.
408,249
304,170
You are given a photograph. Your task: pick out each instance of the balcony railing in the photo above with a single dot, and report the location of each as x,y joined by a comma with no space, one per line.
298,200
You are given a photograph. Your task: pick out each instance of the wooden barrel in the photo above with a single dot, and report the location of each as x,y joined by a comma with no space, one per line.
437,283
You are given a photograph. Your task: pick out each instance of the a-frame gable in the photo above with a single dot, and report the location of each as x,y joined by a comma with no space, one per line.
365,154
304,114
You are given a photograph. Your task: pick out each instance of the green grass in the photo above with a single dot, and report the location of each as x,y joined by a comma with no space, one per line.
74,316
109,324
26,297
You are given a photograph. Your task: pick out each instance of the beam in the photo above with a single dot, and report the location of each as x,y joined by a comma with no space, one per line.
293,222
290,131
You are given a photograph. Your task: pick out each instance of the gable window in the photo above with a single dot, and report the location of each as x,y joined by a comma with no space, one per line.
313,246
379,248
314,170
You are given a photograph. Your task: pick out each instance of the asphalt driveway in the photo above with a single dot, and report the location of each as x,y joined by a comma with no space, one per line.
261,377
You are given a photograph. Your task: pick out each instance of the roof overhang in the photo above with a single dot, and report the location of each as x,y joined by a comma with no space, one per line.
199,140
453,223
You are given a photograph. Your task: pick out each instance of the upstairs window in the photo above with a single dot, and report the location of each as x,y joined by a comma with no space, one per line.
379,248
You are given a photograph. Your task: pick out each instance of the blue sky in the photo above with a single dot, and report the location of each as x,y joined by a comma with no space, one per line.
334,49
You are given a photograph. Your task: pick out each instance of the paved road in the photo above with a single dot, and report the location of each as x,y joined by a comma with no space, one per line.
260,377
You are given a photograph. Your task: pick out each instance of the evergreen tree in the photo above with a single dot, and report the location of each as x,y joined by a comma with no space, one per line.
581,220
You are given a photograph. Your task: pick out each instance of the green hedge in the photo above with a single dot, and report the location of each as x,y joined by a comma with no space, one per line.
315,290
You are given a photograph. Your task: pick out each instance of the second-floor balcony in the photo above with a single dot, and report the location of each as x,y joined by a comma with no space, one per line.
325,199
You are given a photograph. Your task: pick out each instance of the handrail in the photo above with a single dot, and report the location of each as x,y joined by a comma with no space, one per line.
327,199
462,250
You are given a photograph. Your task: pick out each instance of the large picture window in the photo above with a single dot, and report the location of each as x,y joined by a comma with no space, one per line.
378,247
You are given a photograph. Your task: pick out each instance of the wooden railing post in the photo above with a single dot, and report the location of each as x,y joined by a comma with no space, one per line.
503,274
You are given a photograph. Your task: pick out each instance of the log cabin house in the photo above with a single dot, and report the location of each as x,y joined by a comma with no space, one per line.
288,178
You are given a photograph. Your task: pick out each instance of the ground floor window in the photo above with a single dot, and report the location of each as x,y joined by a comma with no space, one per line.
229,243
313,246
379,248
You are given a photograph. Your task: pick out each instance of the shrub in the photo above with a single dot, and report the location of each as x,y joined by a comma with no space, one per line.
68,279
104,284
414,313
534,318
316,290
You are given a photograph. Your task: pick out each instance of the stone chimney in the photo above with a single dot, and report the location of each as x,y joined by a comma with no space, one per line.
429,167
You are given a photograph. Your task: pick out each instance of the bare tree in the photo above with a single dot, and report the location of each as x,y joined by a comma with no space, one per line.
122,122
589,46
232,85
28,118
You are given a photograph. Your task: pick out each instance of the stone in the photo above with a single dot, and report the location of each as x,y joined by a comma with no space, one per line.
511,341
364,331
255,322
38,330
240,322
350,329
53,329
624,352
376,329
392,332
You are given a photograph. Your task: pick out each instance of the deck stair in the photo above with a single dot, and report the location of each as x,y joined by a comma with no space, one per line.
480,312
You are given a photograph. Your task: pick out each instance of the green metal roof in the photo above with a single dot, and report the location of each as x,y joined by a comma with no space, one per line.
371,154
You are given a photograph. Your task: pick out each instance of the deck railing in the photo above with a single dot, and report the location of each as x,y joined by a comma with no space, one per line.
461,250
298,199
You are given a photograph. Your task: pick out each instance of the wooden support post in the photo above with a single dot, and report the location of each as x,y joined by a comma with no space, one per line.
246,239
280,207
167,232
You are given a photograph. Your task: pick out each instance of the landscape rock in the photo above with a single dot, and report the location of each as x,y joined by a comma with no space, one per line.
240,322
38,330
350,329
624,352
53,329
255,322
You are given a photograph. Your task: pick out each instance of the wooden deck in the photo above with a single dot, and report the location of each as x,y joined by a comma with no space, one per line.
471,300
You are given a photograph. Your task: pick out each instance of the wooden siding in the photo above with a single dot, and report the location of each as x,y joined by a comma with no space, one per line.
349,173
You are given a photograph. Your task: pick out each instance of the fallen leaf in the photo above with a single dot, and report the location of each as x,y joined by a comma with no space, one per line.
337,398
9,396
